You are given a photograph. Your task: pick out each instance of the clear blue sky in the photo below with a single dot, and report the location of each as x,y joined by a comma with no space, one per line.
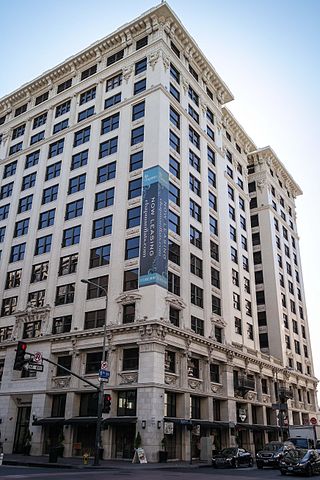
267,51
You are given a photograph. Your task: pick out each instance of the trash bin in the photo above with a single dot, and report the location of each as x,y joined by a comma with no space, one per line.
53,455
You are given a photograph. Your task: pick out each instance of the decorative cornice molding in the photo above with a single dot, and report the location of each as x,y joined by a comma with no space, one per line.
238,131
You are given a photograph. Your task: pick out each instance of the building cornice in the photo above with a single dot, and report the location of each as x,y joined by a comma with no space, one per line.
160,18
268,156
238,131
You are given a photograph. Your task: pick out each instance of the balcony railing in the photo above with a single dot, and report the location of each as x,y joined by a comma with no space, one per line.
244,384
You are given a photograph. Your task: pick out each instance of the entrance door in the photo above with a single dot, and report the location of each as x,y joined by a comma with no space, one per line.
125,440
22,427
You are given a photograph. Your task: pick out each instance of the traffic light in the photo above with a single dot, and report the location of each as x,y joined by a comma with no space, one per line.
107,403
19,360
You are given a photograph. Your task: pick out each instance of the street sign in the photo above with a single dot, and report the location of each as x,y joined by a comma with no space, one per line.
35,367
313,421
104,373
37,357
104,365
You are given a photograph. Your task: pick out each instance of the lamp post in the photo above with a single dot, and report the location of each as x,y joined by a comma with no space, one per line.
100,393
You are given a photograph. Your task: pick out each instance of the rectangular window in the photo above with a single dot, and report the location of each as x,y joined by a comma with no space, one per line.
9,306
196,295
71,236
210,132
53,170
193,95
25,204
212,201
140,66
140,86
64,85
21,228
195,185
173,283
133,217
58,127
130,280
211,156
215,278
114,82
115,57
18,131
106,172
110,123
174,194
36,299
108,148
79,159
85,114
87,96
88,72
28,181
94,319
62,324
49,194
102,227
142,42
93,291
68,264
82,136
13,279
213,225
136,161
15,148
195,210
111,101
137,135
20,110
174,252
195,237
196,265
214,251
74,209
65,294
104,199
234,255
76,184
174,73
6,190
132,248
193,114
10,169
211,178
194,137
174,316
43,245
174,117
174,92
56,148
42,98
134,188
194,160
214,373
39,272
197,325
174,167
99,256
138,111
63,108
46,219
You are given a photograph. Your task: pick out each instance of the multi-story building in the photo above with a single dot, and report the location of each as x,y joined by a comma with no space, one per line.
124,167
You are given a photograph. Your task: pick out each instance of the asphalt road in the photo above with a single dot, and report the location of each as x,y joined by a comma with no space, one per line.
138,473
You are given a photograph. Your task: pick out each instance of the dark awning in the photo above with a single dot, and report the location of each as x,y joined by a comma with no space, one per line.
249,426
82,420
121,420
48,421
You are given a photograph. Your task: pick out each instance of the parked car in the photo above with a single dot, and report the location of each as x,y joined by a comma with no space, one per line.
232,457
300,461
270,455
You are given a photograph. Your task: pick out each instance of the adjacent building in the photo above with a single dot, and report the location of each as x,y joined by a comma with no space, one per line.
123,166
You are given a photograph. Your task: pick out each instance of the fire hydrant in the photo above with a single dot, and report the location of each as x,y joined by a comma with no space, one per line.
85,458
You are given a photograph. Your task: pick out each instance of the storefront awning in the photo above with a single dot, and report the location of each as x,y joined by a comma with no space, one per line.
48,421
249,426
119,420
80,420
205,423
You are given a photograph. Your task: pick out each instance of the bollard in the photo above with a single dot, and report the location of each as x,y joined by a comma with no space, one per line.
85,458
1,458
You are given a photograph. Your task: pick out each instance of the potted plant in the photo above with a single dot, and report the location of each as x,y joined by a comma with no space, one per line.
163,454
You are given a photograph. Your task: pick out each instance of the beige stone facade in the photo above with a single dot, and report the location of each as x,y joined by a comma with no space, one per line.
75,143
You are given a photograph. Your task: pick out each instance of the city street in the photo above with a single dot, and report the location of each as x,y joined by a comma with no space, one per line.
138,472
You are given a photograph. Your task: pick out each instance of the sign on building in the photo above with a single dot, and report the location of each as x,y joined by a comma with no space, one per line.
154,228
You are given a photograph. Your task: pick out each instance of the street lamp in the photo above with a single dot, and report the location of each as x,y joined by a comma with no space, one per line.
100,393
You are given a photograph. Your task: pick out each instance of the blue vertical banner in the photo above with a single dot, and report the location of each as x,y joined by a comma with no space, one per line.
154,228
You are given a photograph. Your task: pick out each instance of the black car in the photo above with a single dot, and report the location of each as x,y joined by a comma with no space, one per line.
232,457
270,455
300,461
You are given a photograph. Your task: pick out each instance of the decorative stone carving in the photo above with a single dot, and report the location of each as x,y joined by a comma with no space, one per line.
216,388
175,302
194,384
251,396
127,72
165,61
128,377
153,58
184,83
61,382
128,297
170,379
32,314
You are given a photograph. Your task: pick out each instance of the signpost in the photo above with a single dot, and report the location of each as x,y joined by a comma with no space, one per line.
104,375
34,366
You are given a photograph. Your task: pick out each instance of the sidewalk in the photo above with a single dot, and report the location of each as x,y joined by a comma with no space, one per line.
76,462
